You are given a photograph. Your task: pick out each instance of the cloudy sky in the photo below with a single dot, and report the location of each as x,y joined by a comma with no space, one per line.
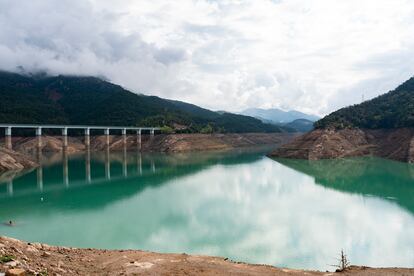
310,55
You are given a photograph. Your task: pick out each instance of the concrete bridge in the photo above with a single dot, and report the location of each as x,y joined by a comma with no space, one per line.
64,128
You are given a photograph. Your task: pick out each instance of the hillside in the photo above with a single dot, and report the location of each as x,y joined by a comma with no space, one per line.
394,109
278,116
383,126
300,125
90,100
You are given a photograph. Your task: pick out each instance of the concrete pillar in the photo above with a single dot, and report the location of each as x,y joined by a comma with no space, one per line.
39,137
87,137
8,132
65,138
107,136
139,138
124,136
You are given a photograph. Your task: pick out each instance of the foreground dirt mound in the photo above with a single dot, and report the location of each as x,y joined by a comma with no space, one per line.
14,161
41,259
397,144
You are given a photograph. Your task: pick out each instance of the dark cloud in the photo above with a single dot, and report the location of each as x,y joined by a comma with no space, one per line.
313,56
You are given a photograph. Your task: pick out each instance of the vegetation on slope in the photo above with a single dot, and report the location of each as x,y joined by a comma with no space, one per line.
394,109
90,100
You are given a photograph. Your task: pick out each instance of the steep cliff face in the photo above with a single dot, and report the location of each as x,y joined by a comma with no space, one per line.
14,161
396,144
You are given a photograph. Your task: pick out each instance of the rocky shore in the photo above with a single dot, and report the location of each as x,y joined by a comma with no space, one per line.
23,148
395,144
14,161
23,258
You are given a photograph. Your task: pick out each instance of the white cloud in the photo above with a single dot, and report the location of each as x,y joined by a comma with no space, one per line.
314,56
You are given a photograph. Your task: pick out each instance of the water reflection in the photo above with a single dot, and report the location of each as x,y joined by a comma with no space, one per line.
367,176
241,205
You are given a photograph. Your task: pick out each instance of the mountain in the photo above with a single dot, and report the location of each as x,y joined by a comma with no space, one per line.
278,116
300,125
383,127
394,109
90,100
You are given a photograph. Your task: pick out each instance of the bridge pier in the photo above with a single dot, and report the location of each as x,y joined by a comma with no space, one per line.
87,137
107,136
139,138
65,138
8,132
86,128
39,137
124,136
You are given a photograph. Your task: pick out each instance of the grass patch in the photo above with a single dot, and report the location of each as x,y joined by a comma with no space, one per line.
6,258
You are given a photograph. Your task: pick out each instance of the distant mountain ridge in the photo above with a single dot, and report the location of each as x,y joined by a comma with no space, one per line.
90,100
278,116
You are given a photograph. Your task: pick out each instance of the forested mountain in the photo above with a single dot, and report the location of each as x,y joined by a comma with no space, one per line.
278,116
394,109
300,125
90,100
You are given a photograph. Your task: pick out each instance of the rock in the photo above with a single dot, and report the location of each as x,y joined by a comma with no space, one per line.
16,272
46,254
14,161
143,265
12,263
32,249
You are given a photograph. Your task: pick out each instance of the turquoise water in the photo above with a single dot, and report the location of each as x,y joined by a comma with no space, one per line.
241,205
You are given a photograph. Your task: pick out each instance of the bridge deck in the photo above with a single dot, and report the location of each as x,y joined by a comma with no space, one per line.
75,127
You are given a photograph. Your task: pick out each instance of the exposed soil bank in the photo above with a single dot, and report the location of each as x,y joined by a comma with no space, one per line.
40,259
19,158
396,144
13,161
160,143
203,142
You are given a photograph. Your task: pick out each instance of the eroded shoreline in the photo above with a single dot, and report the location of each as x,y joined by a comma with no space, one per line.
24,148
42,259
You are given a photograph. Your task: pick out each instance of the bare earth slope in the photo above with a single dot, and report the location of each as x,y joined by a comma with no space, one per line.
14,161
396,144
160,143
40,259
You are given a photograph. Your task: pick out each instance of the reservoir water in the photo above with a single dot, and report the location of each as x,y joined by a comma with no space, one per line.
241,205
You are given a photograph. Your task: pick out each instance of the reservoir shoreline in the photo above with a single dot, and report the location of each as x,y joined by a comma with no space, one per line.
24,148
38,259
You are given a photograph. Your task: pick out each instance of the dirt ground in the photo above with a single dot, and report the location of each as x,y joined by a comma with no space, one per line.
39,259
